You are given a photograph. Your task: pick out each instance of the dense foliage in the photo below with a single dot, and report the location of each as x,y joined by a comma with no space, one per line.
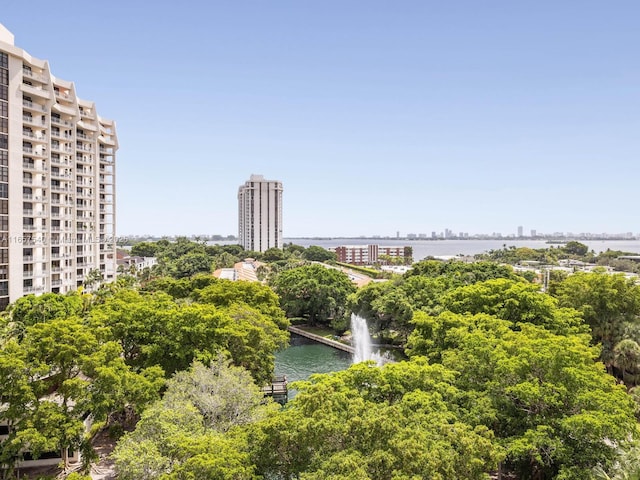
500,377
107,354
314,292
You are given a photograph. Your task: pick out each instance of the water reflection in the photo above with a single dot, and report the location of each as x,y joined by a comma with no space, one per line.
305,357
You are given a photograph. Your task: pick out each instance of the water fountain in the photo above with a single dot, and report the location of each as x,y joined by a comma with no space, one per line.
361,341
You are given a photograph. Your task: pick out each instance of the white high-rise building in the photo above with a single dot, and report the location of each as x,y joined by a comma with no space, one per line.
57,179
260,214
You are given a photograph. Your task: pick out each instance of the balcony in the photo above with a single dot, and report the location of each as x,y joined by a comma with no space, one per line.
36,182
63,95
33,213
36,289
57,134
59,121
30,120
61,148
87,113
36,107
106,140
36,76
61,175
87,126
34,90
36,137
60,161
35,152
66,109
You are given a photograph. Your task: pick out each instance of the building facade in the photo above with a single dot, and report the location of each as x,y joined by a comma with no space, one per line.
57,181
260,214
367,254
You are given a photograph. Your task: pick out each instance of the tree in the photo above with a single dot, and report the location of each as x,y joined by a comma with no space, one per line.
399,421
273,255
576,248
145,249
315,292
553,407
182,435
293,250
32,309
462,273
224,293
608,303
515,301
54,375
192,263
94,277
626,465
315,253
153,329
626,357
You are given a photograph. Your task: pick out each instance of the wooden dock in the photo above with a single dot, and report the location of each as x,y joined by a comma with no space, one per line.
278,390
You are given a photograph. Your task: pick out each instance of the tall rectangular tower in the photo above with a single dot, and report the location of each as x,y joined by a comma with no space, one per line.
260,214
57,181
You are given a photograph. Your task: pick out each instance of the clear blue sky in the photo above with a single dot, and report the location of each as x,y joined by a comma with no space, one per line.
377,116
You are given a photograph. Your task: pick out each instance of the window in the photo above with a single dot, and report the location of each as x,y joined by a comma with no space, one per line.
4,190
4,141
4,109
4,158
4,76
4,92
4,125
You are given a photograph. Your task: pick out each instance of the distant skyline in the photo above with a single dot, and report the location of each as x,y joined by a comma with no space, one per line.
377,117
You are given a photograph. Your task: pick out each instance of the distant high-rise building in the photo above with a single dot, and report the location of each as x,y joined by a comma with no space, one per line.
57,181
534,233
520,231
260,214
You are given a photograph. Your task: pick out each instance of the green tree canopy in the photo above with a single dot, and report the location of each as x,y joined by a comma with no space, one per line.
400,421
145,249
515,301
315,292
549,402
189,434
154,329
610,304
315,253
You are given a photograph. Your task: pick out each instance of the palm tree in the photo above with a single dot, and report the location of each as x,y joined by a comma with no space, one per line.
626,357
626,467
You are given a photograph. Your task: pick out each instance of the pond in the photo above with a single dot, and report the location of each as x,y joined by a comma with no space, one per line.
305,357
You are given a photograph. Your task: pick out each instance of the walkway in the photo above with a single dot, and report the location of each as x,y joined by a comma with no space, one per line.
319,339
